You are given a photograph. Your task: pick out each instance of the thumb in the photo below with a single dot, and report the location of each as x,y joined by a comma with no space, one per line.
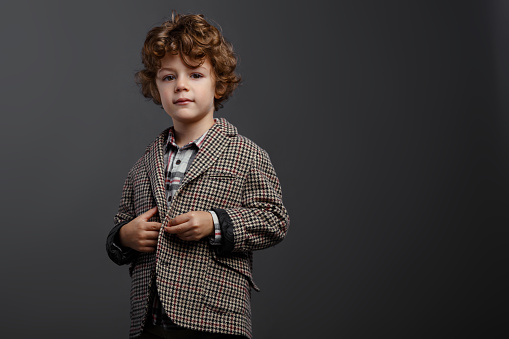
149,214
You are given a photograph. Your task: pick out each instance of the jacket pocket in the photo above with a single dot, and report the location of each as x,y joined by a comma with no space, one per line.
219,176
212,190
241,262
225,290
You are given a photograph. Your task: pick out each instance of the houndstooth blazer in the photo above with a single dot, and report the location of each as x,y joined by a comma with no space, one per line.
200,286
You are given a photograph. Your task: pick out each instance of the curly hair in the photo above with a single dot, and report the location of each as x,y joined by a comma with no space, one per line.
194,39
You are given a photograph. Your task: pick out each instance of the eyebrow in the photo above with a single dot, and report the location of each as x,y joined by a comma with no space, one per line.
165,69
173,70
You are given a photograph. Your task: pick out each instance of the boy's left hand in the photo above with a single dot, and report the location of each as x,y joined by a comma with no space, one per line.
191,226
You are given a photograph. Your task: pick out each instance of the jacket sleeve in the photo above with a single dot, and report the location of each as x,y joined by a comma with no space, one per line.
262,220
118,254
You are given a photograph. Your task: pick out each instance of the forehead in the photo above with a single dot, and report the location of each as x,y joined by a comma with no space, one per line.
175,61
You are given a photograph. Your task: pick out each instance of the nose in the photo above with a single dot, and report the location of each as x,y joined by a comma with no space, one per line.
181,85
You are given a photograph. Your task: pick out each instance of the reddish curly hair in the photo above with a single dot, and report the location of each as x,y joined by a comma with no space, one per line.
194,39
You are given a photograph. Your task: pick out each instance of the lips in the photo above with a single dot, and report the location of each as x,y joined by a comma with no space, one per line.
182,101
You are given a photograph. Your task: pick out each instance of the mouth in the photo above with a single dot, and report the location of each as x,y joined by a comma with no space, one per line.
182,101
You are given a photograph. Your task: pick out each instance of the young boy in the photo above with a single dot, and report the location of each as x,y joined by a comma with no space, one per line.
200,199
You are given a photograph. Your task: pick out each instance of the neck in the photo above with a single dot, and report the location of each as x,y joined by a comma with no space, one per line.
187,132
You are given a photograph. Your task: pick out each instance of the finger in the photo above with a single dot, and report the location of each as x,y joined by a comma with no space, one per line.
152,226
177,229
190,233
147,249
180,219
150,235
148,243
149,214
173,229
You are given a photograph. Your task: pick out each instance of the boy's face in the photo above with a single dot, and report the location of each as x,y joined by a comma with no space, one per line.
187,94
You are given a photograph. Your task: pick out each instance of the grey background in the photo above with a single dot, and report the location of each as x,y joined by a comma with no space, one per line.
386,122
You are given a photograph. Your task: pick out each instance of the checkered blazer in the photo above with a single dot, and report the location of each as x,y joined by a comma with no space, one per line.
203,287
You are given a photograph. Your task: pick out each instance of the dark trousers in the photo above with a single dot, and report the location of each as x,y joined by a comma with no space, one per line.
157,332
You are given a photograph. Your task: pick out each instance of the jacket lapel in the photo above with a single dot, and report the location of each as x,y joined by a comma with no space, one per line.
213,146
155,169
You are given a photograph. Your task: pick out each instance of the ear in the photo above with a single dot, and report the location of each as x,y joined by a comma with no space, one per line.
219,92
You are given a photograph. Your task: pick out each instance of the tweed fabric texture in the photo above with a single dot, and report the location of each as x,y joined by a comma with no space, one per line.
178,160
200,287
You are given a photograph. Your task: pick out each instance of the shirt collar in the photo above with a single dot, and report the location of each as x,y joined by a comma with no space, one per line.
171,140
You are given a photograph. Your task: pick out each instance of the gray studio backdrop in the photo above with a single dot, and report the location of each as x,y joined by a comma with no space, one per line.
386,122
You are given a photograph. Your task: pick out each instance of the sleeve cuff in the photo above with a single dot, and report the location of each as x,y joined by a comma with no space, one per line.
118,254
226,226
216,238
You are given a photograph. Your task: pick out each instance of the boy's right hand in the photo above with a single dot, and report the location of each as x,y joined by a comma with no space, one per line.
141,234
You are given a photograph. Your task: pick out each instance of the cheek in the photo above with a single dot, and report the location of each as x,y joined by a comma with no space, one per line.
165,100
164,96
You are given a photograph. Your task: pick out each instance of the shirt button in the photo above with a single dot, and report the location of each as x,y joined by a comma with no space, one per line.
178,162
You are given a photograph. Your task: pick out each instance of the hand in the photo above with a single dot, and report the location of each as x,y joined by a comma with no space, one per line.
192,225
140,234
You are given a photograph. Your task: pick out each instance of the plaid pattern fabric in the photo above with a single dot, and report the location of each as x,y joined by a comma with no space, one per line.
177,160
199,287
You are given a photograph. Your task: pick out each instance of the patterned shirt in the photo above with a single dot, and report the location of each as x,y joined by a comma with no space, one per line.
177,161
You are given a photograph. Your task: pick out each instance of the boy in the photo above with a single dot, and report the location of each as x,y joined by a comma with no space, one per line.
200,199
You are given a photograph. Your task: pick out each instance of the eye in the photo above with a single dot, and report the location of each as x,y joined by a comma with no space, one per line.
196,75
168,77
